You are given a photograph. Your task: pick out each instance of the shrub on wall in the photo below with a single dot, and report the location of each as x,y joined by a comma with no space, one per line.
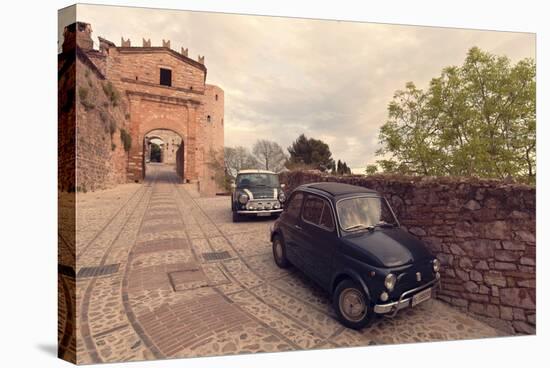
126,140
83,94
111,92
112,127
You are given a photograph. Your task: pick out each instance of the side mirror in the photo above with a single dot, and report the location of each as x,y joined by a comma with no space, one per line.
233,186
283,186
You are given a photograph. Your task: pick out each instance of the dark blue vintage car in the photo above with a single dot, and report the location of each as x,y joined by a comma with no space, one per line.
348,240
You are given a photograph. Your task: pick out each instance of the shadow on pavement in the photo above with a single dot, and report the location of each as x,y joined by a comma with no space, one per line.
50,349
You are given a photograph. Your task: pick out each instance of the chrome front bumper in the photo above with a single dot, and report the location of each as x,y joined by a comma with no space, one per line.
404,300
255,212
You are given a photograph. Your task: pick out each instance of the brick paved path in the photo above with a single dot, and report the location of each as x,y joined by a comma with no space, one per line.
163,273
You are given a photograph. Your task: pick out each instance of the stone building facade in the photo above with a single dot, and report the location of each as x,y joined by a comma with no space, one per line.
161,89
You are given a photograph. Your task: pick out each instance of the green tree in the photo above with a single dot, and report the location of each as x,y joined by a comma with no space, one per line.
346,170
474,120
310,152
342,168
371,169
409,134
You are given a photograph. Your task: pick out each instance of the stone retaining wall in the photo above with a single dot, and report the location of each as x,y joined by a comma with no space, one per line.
483,231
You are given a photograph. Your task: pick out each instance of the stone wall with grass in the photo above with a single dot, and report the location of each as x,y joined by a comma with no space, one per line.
66,128
102,129
483,231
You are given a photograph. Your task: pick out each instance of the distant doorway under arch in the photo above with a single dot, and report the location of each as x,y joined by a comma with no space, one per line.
155,150
166,147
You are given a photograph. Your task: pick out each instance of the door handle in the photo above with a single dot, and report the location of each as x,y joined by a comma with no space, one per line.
297,227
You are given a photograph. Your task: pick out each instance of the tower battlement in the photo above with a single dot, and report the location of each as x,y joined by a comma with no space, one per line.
126,43
79,33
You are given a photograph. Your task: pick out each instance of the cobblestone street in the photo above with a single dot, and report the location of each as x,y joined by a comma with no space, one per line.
164,273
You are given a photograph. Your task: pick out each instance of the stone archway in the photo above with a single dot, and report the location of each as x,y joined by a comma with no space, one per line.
149,112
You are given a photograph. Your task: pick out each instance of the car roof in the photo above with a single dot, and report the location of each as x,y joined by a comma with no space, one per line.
338,189
254,171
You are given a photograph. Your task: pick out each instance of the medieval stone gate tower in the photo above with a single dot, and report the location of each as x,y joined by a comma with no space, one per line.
165,90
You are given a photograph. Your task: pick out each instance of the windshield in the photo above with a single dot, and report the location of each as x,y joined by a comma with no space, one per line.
261,180
364,213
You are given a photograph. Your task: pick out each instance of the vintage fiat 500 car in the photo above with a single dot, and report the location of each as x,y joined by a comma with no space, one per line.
347,239
256,193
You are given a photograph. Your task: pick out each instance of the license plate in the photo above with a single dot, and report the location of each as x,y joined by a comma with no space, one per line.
262,214
421,297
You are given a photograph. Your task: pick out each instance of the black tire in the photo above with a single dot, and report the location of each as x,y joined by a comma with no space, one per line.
236,217
356,319
279,252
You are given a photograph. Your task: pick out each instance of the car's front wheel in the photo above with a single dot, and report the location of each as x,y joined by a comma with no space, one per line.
279,252
236,217
352,305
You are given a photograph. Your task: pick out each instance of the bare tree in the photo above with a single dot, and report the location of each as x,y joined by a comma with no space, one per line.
238,158
216,163
270,155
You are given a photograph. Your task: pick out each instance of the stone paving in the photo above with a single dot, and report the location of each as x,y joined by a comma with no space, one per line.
182,280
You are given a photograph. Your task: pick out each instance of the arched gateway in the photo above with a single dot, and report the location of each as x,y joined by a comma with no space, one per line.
164,90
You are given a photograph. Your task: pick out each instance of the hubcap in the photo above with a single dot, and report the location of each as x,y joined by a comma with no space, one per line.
278,250
352,305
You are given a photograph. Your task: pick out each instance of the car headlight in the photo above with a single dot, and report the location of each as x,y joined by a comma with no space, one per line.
282,196
389,281
243,198
436,265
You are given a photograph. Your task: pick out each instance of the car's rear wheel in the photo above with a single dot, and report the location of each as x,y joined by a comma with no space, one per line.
352,305
279,252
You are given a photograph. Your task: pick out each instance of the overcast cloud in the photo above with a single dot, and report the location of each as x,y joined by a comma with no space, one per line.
282,76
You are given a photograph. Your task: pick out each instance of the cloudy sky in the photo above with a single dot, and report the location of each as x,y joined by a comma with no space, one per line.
282,77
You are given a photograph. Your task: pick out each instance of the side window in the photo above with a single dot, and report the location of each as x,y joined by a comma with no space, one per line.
294,204
326,217
313,209
317,211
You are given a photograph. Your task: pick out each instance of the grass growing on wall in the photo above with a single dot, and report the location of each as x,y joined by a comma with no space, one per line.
112,93
83,94
126,140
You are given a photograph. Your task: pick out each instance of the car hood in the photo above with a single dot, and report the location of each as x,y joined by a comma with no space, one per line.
386,247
